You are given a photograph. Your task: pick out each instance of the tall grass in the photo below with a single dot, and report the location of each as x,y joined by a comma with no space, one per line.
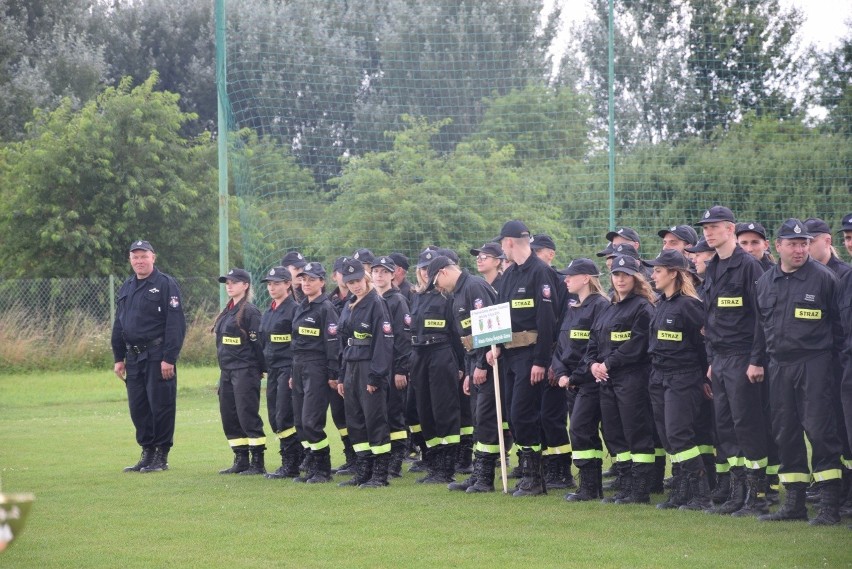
77,342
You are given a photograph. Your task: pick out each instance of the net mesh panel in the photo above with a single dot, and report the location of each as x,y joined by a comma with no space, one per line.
395,125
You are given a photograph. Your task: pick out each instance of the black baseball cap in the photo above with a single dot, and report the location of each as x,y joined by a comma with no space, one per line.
624,249
581,267
293,259
846,222
277,275
626,232
435,265
239,275
141,246
542,241
352,270
793,229
385,261
426,257
337,267
514,228
454,257
608,250
668,258
400,260
313,269
489,248
717,213
624,264
364,255
683,232
750,226
701,247
816,226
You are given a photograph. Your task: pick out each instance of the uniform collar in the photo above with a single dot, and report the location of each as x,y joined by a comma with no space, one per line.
800,274
153,274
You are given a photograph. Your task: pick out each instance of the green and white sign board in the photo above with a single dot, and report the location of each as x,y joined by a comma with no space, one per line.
491,325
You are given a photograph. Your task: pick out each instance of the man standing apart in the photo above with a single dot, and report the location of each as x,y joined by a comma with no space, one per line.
800,320
147,336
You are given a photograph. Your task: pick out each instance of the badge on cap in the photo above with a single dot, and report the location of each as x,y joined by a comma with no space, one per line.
673,228
299,256
383,260
532,238
620,231
571,263
351,269
271,272
706,214
428,255
138,243
308,267
356,256
231,272
621,262
797,229
751,226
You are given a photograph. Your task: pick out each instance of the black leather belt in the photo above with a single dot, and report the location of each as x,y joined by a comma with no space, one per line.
142,348
428,340
359,342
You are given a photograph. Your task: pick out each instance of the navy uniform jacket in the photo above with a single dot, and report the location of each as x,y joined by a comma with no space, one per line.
799,312
838,267
366,334
471,293
406,291
315,333
400,317
619,337
147,310
238,343
530,290
338,302
676,343
573,339
843,299
276,334
731,324
432,323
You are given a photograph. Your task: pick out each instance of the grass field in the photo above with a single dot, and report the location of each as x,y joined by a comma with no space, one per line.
66,437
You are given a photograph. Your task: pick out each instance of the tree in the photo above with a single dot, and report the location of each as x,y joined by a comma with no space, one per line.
834,86
86,183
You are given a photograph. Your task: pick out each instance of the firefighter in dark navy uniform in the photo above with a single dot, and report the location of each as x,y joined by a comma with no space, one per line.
799,316
339,297
147,336
239,351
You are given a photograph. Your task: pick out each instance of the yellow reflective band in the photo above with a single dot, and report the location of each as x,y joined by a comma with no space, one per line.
434,323
585,454
805,314
238,442
280,338
362,335
729,301
305,445
579,334
465,323
398,436
736,461
706,449
564,449
759,464
523,303
433,442
823,475
642,458
505,425
287,433
619,336
450,440
232,340
308,331
686,455
772,469
622,456
320,445
466,430
381,449
789,477
847,463
490,449
415,428
534,448
257,442
659,452
361,447
722,468
670,336
344,432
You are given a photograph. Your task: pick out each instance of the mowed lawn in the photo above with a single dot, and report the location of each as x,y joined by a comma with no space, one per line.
66,437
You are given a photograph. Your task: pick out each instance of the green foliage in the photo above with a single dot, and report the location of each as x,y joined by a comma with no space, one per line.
85,184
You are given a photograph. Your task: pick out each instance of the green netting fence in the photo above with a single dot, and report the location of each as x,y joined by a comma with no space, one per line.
397,124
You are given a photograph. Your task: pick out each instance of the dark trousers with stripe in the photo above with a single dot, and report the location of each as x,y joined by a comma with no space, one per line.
279,405
152,402
366,413
310,401
554,418
434,375
627,424
676,401
525,410
585,424
396,402
239,406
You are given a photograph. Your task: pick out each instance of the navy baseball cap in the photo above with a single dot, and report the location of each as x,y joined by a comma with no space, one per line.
608,250
581,267
489,248
141,246
793,229
624,249
293,259
515,229
400,260
239,275
438,263
364,255
701,247
352,270
668,258
385,261
750,226
683,232
625,264
846,222
542,241
337,267
816,226
426,257
313,269
626,232
277,275
717,213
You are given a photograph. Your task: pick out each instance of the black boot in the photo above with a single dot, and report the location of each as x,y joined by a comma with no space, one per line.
451,453
643,476
755,502
144,460
430,458
846,494
241,461
518,471
290,459
698,490
257,465
678,492
794,508
722,488
471,480
558,475
348,466
321,467
363,470
396,458
464,463
159,462
532,482
736,497
709,461
483,473
379,477
422,464
829,504
306,466
590,475
440,465
657,475
624,482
